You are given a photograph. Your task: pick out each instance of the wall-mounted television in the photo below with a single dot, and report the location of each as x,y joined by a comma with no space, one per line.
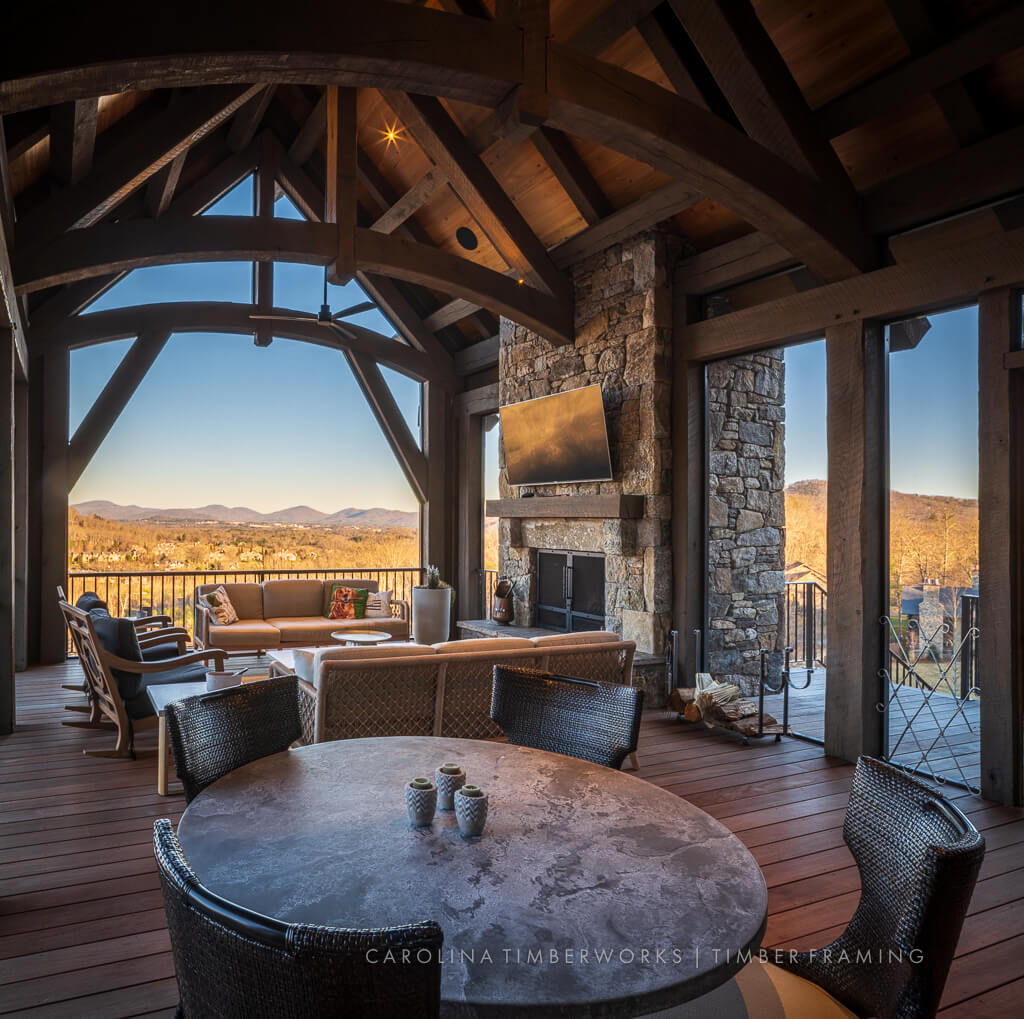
557,439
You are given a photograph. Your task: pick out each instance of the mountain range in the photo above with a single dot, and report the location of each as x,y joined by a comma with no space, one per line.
351,516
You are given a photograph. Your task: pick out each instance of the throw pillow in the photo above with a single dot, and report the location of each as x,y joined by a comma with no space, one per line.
347,602
378,605
219,604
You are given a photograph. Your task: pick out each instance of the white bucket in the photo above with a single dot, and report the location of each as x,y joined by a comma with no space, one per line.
222,680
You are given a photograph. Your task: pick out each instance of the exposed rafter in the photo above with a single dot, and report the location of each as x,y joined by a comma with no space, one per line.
246,121
340,180
571,172
126,167
732,263
976,46
72,140
611,24
115,247
161,187
413,199
757,83
445,145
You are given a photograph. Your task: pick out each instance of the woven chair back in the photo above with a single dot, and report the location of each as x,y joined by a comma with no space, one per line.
214,733
597,722
236,964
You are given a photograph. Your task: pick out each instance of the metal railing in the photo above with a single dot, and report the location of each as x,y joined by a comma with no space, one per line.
173,593
806,631
488,580
969,620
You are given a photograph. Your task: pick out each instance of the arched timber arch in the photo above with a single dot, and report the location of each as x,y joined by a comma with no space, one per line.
400,46
229,317
118,247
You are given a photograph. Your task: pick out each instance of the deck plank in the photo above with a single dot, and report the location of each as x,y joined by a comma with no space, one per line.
83,932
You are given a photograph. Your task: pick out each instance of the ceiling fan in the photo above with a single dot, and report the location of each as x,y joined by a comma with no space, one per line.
324,314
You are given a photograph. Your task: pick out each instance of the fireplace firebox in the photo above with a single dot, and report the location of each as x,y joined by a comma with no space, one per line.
570,590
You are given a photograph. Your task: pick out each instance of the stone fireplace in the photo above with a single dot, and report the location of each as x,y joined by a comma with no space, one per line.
623,343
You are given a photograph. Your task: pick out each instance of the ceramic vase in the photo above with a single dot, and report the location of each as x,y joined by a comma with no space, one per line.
431,614
421,803
471,813
447,786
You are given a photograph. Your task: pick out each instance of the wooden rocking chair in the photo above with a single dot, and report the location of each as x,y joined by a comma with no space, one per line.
107,707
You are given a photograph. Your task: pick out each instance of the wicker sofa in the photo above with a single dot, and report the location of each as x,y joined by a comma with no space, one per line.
440,689
287,614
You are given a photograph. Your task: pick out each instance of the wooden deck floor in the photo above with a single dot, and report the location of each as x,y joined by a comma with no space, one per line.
81,921
937,734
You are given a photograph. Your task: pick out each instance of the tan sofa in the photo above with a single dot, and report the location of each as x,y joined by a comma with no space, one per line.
287,613
440,689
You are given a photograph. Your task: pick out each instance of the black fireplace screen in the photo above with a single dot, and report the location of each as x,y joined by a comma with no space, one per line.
570,590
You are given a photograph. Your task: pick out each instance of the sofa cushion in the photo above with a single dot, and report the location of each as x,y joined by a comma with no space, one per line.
347,602
292,598
117,636
356,582
584,637
247,599
138,704
309,660
222,611
89,601
317,630
252,634
465,647
159,652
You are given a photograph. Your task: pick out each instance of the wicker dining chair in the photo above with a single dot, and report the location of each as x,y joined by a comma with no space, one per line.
236,964
214,733
597,722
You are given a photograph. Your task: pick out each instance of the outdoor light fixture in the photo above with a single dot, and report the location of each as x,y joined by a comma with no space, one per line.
391,135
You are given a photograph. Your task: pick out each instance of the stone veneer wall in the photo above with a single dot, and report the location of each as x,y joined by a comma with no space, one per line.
746,517
623,342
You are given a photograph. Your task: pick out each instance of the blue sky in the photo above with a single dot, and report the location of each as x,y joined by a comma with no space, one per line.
219,420
933,416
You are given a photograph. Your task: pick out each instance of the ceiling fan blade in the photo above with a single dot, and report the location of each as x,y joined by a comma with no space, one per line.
285,318
355,309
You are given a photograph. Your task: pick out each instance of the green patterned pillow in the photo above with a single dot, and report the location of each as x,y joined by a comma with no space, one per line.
347,602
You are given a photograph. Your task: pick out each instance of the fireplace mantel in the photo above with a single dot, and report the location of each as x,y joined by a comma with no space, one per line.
569,507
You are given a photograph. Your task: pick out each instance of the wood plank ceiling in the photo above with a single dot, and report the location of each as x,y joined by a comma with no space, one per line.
868,98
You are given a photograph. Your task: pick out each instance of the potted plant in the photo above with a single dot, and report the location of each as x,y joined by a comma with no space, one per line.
431,608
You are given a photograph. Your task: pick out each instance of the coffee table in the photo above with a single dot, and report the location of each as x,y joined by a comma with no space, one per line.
359,638
160,697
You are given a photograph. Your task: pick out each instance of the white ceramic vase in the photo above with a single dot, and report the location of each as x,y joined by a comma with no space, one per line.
431,614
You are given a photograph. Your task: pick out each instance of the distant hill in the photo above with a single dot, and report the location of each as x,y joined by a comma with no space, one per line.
349,517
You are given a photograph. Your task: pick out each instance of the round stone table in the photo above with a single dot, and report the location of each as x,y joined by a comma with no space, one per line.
591,891
358,638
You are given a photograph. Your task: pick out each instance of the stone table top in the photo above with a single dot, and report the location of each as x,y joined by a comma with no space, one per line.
591,891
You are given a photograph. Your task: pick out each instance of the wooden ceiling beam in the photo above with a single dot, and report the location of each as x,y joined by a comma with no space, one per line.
126,167
448,314
981,173
478,357
11,317
72,140
914,21
347,43
111,402
611,25
670,60
226,317
382,403
572,173
340,180
639,215
640,119
976,46
311,133
758,86
445,145
161,187
116,247
414,199
948,277
246,122
728,264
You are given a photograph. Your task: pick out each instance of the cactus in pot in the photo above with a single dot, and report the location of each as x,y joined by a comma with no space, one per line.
449,778
421,802
471,811
432,608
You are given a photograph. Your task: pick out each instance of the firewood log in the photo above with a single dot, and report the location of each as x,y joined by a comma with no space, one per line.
691,712
732,711
680,697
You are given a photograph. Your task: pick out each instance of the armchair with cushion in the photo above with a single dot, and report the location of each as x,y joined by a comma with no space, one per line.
118,674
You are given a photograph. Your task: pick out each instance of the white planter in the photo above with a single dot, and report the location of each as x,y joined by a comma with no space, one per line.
431,614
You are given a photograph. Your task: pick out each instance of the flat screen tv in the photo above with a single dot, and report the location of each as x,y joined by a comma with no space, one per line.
557,439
